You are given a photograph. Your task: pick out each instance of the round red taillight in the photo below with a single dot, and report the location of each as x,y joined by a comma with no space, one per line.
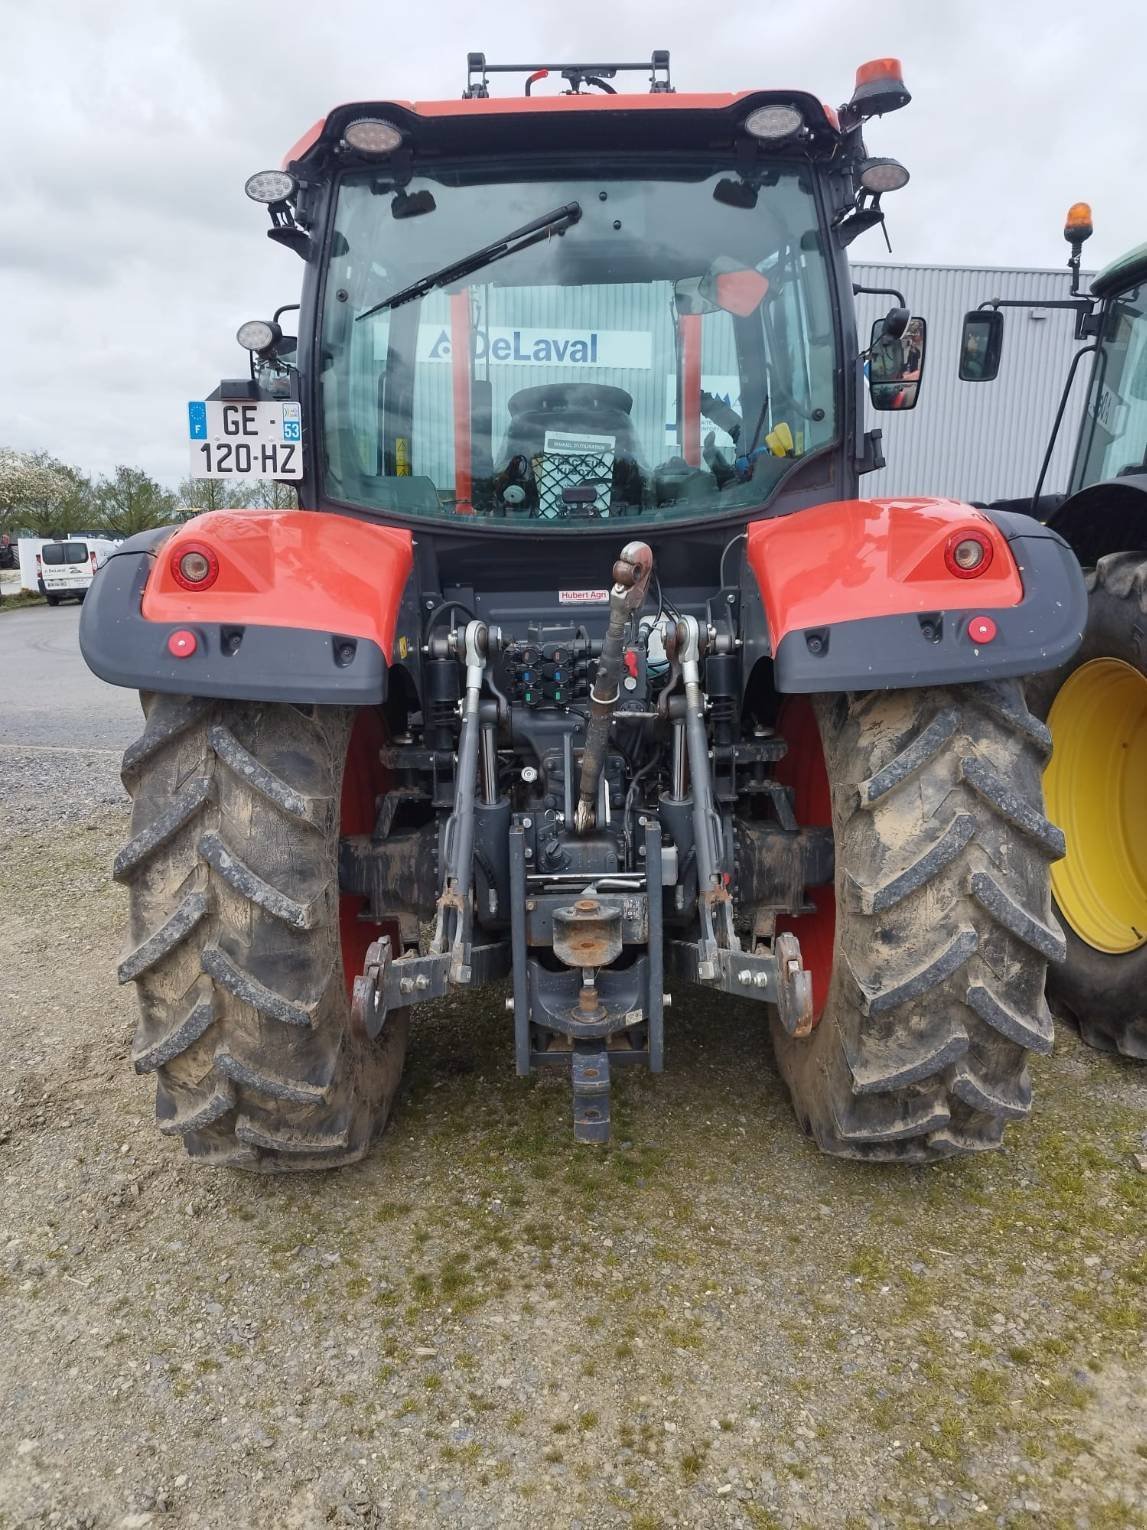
968,554
194,566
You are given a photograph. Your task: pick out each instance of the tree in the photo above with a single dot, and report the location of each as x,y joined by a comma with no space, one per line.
273,494
69,507
40,495
196,495
131,501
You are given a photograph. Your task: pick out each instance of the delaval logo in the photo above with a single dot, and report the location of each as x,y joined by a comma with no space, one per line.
547,347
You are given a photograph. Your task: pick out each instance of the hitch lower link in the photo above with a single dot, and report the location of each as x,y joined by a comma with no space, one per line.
773,975
390,980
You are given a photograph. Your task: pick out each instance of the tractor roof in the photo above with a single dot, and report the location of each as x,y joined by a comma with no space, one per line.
666,120
1128,271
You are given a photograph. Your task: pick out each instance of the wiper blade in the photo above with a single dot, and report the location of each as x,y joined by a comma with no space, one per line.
545,227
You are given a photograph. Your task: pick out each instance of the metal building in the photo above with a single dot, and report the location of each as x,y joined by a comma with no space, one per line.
978,441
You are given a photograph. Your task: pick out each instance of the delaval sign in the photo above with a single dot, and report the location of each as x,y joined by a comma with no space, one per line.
616,348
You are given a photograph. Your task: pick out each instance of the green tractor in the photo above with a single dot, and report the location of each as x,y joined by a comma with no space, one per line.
1096,703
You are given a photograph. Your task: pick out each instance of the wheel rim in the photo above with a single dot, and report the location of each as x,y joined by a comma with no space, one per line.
1094,787
364,781
803,769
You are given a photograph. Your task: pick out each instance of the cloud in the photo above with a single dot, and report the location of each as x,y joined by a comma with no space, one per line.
129,255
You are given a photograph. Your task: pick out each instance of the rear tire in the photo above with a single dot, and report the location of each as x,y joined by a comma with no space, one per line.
235,937
1104,990
53,600
943,925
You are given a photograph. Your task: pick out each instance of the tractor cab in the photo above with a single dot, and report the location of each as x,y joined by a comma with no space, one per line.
548,311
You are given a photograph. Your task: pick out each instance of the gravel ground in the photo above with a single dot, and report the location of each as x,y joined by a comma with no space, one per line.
482,1325
49,786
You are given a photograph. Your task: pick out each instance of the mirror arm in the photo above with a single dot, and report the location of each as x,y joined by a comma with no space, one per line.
858,288
1079,303
1082,307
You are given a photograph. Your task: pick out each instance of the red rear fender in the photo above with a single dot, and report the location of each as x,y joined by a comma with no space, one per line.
858,558
288,568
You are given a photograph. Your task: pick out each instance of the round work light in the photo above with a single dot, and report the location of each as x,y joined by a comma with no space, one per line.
370,135
258,334
878,175
772,123
270,186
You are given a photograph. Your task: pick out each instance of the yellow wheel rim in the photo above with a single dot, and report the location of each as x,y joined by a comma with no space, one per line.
1096,790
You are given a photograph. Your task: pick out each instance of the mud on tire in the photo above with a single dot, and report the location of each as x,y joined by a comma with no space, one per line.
944,925
235,952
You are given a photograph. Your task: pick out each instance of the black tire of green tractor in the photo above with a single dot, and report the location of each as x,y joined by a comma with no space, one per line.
1104,994
232,873
944,925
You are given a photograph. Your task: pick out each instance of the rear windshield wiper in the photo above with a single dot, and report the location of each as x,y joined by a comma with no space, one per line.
545,227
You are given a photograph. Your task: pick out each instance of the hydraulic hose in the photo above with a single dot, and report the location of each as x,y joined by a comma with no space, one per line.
631,575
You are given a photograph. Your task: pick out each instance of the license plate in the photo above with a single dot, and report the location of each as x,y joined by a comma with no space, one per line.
241,439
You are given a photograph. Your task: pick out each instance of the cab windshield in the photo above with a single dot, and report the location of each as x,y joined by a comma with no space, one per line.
1114,437
665,350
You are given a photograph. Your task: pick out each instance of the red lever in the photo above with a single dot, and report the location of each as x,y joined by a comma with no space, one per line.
631,663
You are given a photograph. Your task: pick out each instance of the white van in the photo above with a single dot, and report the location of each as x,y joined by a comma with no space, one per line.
67,568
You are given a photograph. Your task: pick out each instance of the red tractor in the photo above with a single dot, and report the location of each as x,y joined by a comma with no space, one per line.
583,662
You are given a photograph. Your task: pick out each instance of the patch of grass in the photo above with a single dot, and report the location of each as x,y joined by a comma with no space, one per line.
869,1264
391,1211
17,599
693,1461
988,1388
761,1518
587,1420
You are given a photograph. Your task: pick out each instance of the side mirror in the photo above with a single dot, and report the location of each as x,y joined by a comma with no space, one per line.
273,368
895,363
981,344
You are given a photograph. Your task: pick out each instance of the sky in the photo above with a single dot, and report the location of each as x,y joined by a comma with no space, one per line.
129,253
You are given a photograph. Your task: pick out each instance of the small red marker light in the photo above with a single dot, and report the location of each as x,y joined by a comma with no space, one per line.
182,644
981,629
